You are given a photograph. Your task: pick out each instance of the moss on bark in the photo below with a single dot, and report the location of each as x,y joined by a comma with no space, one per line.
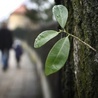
83,22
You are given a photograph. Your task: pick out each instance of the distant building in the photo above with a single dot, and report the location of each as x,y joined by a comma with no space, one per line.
18,19
21,10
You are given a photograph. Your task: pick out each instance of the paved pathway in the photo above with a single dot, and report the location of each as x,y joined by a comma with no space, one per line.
20,83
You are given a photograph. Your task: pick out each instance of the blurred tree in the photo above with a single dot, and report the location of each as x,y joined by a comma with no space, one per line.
33,15
43,11
39,2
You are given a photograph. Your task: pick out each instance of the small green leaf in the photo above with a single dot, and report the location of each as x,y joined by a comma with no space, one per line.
61,14
44,37
57,56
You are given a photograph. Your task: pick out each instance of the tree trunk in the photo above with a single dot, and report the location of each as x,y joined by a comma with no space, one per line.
80,75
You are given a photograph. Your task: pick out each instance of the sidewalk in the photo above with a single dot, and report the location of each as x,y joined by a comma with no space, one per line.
20,83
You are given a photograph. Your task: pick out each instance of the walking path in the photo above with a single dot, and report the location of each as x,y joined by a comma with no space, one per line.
20,83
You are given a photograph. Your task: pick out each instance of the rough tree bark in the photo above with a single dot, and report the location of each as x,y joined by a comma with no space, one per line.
80,75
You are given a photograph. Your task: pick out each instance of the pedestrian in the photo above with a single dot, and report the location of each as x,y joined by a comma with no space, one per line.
18,51
6,41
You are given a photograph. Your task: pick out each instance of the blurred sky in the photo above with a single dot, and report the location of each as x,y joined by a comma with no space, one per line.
8,6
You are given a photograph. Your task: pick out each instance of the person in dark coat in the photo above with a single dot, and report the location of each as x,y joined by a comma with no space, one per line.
6,41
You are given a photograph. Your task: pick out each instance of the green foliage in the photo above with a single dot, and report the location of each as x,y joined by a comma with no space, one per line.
61,14
44,13
44,37
58,55
33,15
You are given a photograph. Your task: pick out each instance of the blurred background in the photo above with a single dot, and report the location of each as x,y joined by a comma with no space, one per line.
26,19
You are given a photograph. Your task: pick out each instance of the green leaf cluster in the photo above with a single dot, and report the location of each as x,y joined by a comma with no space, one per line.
59,53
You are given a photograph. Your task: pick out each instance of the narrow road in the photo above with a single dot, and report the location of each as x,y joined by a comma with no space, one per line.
20,83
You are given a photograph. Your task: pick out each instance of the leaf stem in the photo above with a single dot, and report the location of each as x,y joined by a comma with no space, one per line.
81,41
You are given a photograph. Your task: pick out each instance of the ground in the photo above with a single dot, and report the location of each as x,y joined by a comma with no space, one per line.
23,82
